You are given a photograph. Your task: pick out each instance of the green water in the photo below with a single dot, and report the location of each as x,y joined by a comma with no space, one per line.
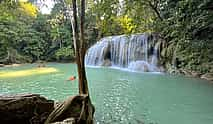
122,97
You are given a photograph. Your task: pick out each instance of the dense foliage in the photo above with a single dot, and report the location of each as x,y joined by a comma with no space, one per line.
185,25
26,35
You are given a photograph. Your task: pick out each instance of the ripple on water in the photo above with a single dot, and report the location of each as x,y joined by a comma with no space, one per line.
116,104
124,97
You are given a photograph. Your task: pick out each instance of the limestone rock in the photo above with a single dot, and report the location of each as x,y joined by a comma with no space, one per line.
207,76
185,72
195,74
106,62
140,66
24,109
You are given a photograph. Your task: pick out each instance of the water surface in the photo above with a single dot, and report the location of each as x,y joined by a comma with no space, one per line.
123,97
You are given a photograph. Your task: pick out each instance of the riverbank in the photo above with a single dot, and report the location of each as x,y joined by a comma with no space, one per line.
38,63
184,72
27,72
205,76
10,65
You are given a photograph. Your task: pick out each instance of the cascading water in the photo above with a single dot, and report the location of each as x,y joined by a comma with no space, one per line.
135,52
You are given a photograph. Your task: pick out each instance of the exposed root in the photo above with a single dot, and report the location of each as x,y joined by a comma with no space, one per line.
75,107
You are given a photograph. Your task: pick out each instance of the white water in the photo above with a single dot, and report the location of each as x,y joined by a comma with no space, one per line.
134,52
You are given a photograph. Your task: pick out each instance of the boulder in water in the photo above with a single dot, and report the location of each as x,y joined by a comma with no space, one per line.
207,76
106,62
195,74
139,66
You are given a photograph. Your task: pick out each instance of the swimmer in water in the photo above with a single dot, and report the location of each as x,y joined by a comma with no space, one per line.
72,78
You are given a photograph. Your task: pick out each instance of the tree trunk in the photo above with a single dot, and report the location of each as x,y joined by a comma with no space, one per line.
77,45
80,51
83,50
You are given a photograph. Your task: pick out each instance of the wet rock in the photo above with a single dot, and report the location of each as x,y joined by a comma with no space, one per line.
106,62
1,65
107,52
185,72
195,74
162,69
207,76
141,66
24,109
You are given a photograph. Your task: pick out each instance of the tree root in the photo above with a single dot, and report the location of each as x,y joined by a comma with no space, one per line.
75,107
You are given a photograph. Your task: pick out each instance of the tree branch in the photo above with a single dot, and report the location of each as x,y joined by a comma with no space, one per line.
154,7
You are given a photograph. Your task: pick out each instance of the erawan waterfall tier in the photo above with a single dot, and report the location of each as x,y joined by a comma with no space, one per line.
139,52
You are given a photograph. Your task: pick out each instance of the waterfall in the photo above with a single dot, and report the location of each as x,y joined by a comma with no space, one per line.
134,52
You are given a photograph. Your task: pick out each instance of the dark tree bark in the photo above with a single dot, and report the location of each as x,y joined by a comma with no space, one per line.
80,50
154,7
77,45
84,86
